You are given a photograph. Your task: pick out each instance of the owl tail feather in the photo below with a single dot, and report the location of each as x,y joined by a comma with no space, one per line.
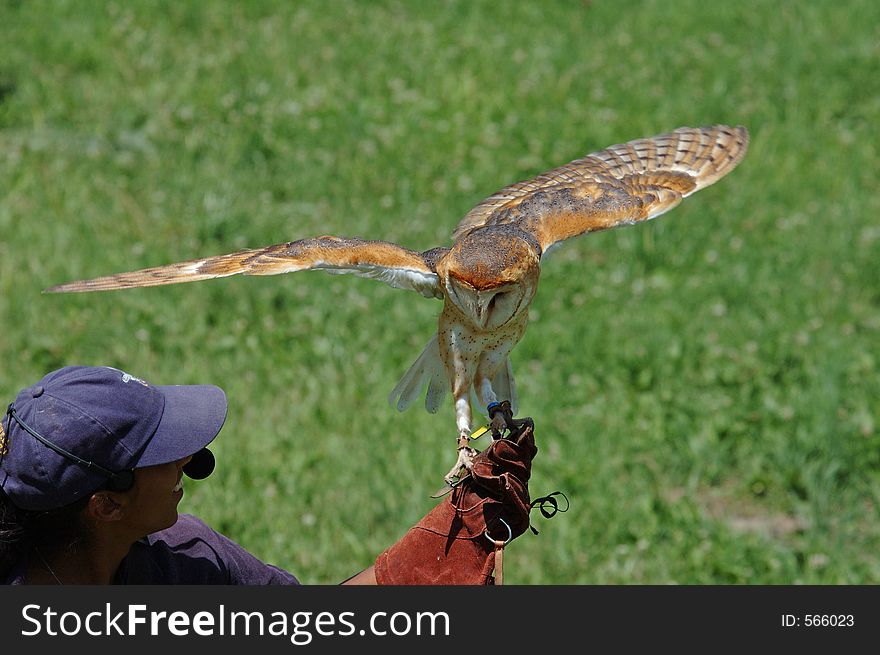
427,369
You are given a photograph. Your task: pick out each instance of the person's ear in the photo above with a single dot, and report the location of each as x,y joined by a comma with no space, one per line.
105,506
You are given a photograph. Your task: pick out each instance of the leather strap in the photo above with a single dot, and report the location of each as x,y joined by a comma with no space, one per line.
499,561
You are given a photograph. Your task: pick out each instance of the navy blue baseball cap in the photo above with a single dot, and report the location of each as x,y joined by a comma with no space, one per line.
102,415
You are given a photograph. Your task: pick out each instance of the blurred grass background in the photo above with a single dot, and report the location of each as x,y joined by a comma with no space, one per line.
705,386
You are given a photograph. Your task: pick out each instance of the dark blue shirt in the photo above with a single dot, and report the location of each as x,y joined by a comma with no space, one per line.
189,552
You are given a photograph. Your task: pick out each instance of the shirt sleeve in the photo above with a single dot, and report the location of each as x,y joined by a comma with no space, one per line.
190,552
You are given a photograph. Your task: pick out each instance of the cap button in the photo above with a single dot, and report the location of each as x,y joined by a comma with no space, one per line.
37,391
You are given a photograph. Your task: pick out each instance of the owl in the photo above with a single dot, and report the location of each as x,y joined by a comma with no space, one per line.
489,274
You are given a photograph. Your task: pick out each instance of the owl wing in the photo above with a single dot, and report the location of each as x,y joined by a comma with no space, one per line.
380,260
620,185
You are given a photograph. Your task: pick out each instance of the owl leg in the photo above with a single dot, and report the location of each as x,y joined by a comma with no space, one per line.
466,454
463,415
497,410
487,393
464,418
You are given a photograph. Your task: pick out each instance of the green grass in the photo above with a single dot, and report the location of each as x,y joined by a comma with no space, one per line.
705,386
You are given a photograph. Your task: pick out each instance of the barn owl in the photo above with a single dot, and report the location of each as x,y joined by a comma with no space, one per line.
489,275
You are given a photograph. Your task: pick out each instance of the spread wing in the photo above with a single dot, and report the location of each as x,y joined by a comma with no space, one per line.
620,185
380,260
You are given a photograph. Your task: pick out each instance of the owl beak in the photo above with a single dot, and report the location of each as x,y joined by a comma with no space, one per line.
482,307
481,314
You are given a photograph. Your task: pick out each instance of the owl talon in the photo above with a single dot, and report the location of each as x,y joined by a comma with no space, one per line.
501,417
463,464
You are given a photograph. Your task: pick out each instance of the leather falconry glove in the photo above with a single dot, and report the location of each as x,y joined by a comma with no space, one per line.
461,540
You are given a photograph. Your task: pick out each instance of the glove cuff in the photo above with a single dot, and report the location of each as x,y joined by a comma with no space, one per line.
447,547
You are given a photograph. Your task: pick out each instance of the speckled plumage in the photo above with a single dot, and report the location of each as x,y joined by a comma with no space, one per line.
489,275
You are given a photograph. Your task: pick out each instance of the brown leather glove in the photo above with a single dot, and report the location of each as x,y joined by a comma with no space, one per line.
450,546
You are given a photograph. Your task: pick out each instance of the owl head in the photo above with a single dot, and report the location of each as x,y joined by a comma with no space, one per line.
491,275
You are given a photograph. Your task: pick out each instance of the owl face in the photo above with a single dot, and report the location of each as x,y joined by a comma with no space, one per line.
488,309
490,276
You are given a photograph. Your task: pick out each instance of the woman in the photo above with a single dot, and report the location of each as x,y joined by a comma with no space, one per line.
91,467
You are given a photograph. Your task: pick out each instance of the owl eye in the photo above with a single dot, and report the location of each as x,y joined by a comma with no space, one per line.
502,307
496,298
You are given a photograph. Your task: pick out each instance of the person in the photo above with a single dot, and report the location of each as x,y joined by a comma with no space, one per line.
92,461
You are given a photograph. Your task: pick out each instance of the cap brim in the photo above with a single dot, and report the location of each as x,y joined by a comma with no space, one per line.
193,416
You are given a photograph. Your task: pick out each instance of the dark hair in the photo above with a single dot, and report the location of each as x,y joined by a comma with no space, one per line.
52,531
